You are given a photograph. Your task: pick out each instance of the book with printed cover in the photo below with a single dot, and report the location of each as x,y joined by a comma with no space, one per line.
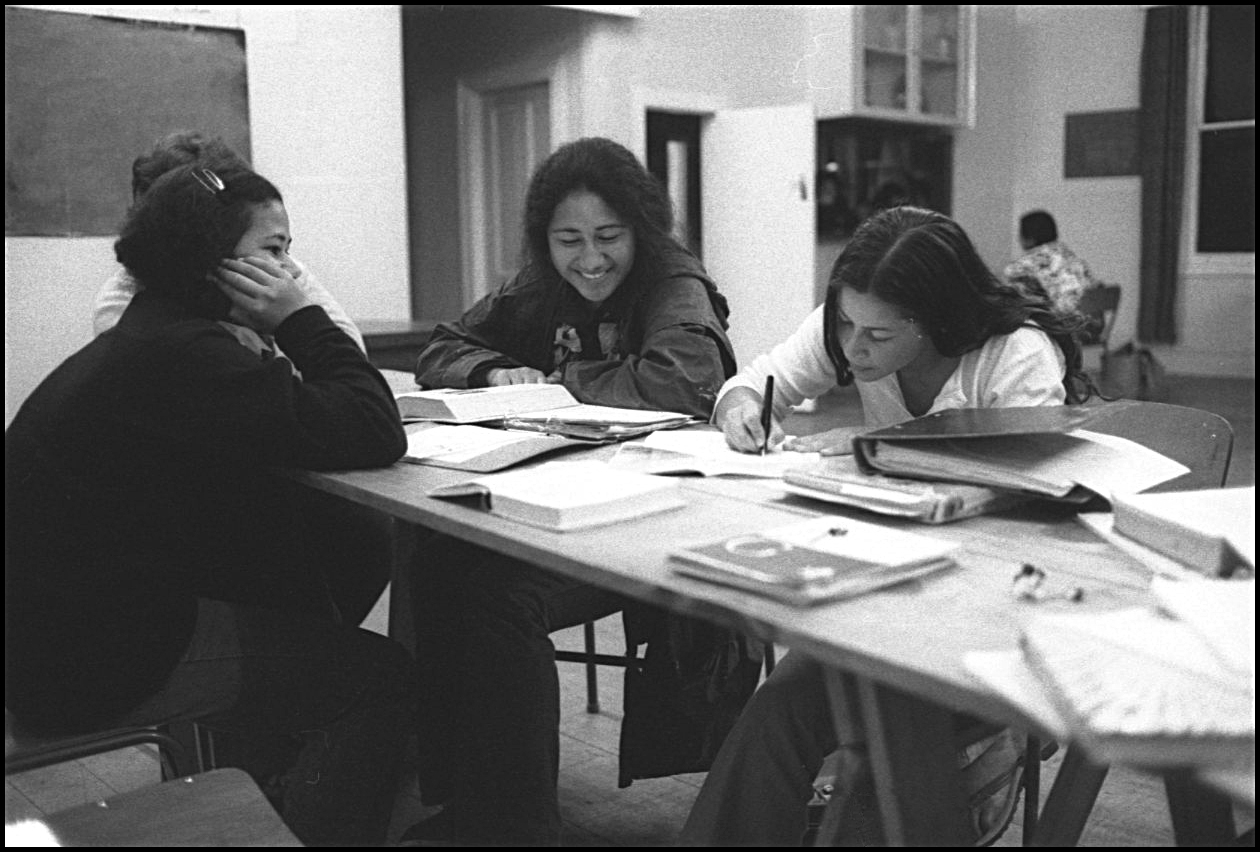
814,561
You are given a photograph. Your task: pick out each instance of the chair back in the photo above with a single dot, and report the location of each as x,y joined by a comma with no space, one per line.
1099,304
1201,440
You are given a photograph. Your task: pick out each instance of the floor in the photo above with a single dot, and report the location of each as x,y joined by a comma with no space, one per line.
1130,809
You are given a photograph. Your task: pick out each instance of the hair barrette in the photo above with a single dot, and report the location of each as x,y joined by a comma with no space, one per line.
212,182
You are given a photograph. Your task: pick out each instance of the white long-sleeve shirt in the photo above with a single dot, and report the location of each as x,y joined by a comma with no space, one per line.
1022,368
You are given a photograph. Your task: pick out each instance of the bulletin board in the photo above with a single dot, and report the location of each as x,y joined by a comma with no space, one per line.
83,95
1101,144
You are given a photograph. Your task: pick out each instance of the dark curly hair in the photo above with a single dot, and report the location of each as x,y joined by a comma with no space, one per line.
182,148
924,264
612,172
179,230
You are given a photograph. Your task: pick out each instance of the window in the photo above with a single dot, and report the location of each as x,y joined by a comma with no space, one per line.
1221,151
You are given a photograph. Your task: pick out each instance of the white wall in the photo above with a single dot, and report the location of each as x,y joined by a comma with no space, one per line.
1087,59
326,121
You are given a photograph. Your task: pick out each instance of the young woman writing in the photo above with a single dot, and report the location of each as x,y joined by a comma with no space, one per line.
916,319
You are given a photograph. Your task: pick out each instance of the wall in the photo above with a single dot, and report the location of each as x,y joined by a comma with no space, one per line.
1078,59
326,125
441,46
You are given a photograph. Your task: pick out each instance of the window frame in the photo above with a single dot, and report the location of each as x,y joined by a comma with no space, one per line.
1196,262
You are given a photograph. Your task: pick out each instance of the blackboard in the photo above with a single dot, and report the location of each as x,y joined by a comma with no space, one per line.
85,94
1101,144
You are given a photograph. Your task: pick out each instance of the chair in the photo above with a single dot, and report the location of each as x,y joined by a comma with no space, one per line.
591,659
24,751
1203,442
1100,305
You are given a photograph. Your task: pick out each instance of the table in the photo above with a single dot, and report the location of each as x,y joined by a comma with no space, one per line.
903,647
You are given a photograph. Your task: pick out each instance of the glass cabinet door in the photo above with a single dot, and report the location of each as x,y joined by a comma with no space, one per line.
913,62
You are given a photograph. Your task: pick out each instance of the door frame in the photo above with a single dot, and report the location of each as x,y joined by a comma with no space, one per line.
471,92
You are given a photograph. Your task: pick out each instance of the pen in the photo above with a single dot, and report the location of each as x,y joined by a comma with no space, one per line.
767,411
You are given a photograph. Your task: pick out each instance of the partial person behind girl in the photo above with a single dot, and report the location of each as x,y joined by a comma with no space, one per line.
919,323
156,567
612,307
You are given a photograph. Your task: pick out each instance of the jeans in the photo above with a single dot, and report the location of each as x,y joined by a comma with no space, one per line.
348,695
488,732
757,792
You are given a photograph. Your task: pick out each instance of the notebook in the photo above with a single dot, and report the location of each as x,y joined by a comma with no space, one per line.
1039,450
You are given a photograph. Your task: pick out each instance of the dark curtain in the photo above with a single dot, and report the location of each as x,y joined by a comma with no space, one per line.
1162,146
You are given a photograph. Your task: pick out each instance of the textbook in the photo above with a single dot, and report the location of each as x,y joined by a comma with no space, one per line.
568,495
478,448
1037,450
837,479
1212,531
536,408
1140,688
471,405
817,560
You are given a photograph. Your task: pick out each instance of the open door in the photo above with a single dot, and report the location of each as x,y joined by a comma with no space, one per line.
758,209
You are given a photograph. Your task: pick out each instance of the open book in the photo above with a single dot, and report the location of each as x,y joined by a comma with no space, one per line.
1140,688
704,452
817,560
837,479
1038,450
568,495
1212,531
478,448
535,407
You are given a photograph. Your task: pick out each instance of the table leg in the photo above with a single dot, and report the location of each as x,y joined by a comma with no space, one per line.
404,553
1071,799
1200,816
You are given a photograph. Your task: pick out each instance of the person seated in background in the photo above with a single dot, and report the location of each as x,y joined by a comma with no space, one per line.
914,318
611,306
186,148
156,568
1049,266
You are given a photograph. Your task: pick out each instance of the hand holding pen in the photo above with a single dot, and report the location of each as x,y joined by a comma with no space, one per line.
741,415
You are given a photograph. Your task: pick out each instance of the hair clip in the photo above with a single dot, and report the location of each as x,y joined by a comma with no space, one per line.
212,182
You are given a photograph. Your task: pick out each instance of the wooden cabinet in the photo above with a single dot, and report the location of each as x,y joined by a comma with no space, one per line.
901,63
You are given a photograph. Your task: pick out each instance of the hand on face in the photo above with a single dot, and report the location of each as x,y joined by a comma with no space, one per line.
738,415
260,281
591,246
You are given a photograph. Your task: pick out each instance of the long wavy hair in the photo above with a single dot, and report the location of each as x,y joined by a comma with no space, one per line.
924,264
612,172
177,232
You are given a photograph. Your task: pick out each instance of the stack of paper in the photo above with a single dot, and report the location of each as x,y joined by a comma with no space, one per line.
1212,531
1163,689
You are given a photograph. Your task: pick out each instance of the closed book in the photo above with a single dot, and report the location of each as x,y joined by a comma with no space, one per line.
840,480
1139,688
814,561
1037,450
1212,530
565,496
478,448
473,405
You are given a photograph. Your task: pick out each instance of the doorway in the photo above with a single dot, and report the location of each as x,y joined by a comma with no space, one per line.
673,155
